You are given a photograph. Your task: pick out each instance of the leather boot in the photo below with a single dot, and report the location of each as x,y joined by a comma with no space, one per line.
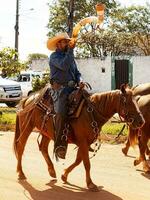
60,142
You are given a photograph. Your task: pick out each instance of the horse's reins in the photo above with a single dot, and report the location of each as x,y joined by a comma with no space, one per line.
91,107
125,117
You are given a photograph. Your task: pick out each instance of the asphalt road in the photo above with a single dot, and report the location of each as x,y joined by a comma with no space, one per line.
114,174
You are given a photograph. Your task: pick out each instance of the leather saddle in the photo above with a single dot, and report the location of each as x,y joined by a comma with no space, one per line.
75,105
76,102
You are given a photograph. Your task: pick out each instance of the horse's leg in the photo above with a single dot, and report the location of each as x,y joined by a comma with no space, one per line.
84,149
148,152
71,167
20,145
126,148
142,147
82,154
44,149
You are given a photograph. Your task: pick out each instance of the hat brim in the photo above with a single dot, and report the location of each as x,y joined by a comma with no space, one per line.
51,43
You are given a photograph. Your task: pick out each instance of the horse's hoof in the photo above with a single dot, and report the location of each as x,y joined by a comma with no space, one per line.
146,167
136,162
21,177
147,171
52,173
124,151
64,178
93,188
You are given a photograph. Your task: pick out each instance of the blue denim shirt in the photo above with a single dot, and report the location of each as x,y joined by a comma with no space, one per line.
63,67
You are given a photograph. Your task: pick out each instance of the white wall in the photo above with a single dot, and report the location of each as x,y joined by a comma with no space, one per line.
141,69
91,70
40,64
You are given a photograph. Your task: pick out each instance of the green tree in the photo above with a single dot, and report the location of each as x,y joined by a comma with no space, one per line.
126,29
8,64
127,32
133,21
59,13
38,83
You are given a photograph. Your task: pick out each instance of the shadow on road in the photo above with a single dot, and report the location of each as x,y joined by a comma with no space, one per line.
67,192
129,156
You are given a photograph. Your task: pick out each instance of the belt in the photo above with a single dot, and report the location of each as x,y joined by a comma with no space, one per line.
56,85
71,83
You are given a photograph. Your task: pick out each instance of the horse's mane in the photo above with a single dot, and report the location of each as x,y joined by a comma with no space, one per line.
101,99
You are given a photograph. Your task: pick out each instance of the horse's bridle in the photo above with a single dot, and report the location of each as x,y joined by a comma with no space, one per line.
123,113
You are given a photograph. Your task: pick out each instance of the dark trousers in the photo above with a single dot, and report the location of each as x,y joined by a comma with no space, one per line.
61,108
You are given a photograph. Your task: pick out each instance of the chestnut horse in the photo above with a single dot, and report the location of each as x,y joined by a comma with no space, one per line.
141,136
85,128
138,91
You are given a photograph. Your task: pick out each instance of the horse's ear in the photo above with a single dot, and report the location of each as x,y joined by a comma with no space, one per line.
123,88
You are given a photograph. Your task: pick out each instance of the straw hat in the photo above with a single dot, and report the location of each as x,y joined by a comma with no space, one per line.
51,43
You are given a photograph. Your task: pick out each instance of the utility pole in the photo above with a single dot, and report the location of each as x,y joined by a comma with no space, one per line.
17,26
70,17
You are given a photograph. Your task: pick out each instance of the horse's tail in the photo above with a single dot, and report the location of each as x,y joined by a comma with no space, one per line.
17,134
133,136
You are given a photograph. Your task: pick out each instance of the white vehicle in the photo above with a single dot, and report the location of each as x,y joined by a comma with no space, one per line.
25,79
10,92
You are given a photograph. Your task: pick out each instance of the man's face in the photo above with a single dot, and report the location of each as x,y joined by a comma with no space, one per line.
63,44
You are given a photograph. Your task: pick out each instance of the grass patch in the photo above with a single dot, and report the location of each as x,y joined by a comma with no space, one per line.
8,118
114,128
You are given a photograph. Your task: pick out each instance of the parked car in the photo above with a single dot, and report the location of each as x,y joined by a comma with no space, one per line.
25,79
10,92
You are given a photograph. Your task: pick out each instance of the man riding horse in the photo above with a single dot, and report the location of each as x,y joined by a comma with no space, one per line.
64,77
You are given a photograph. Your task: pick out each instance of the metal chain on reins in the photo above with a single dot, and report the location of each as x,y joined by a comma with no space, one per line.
65,133
96,131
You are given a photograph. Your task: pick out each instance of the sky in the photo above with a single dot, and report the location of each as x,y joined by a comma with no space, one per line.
33,19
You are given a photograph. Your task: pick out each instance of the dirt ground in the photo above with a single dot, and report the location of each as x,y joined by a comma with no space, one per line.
114,174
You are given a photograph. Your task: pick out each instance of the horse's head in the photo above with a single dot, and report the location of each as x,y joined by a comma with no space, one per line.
129,109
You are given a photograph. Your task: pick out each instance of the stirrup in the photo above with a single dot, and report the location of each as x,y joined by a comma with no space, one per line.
60,152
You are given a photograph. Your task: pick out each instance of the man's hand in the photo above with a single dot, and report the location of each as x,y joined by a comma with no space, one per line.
81,84
72,43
